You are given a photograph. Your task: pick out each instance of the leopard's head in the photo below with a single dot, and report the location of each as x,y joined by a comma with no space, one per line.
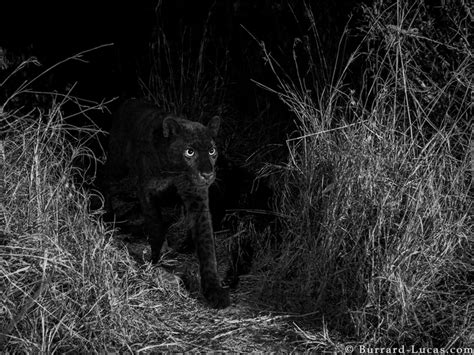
192,149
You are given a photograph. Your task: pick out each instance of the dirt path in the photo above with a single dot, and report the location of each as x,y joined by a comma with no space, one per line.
185,323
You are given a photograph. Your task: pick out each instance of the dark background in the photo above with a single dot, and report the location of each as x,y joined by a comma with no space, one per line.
52,31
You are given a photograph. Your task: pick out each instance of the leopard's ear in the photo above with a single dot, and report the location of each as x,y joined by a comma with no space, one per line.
171,126
213,125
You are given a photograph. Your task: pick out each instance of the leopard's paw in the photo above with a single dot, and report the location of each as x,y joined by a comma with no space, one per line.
217,297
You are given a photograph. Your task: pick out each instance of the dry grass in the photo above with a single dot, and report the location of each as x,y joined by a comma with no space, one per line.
376,194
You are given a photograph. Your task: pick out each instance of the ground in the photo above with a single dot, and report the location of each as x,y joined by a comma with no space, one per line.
248,325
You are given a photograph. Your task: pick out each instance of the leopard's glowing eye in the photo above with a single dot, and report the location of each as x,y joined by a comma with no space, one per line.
189,152
212,151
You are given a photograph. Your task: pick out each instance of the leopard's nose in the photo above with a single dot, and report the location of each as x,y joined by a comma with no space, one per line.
206,176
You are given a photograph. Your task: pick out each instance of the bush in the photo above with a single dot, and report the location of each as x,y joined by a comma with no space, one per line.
65,286
375,195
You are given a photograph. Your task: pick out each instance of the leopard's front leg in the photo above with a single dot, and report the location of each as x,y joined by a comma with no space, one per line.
201,228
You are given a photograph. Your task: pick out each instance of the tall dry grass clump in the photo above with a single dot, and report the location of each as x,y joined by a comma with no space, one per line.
377,226
64,285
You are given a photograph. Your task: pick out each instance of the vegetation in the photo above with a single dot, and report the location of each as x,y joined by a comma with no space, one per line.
374,239
376,192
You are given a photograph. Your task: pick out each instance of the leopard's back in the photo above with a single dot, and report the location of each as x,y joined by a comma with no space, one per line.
131,136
